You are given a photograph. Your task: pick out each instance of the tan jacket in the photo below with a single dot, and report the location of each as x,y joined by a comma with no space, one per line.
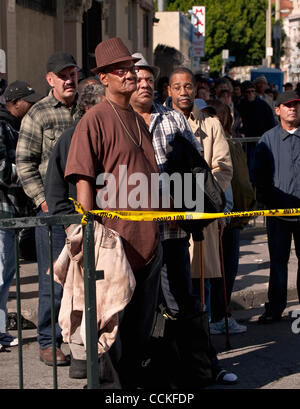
113,293
208,130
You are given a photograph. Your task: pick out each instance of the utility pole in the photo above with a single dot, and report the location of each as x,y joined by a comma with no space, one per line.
277,10
161,5
277,33
269,33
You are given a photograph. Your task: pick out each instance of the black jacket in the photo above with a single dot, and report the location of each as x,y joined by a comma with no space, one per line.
13,201
57,190
257,117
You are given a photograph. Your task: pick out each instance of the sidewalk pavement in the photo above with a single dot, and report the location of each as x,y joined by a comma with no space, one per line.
251,284
250,289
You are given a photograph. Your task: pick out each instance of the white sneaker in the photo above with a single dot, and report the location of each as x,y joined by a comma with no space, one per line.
234,327
226,378
8,340
219,327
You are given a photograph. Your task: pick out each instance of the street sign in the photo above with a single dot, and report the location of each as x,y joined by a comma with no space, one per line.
199,48
2,62
198,37
195,64
225,54
198,19
269,51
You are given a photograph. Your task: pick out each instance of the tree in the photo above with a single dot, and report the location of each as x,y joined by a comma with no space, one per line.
236,25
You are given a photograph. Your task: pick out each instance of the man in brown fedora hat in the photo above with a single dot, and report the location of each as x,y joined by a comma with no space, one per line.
113,139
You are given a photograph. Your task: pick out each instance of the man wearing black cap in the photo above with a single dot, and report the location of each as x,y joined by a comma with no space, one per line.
277,180
40,130
257,118
288,86
19,97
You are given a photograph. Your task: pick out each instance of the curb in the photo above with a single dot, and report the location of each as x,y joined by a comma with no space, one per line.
247,299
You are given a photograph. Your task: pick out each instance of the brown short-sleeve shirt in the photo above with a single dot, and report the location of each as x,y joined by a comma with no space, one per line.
100,145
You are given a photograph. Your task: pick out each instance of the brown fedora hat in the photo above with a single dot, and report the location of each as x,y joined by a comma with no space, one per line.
110,52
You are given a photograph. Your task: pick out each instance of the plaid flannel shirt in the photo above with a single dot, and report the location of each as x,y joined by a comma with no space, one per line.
164,123
40,129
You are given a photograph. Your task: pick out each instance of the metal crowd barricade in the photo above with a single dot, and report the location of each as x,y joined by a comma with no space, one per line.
90,277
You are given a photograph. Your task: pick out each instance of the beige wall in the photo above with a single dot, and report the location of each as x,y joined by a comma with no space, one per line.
35,42
167,31
296,4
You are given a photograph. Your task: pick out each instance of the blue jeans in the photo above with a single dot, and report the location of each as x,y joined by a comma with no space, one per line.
7,271
44,309
280,234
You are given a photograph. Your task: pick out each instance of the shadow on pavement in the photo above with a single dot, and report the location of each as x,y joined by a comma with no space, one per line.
262,356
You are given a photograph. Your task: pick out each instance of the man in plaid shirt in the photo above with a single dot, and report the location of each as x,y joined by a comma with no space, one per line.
40,130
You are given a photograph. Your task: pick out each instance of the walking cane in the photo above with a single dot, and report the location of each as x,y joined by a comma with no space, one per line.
228,346
202,285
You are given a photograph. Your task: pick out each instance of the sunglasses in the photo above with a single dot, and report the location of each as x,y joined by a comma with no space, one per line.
120,72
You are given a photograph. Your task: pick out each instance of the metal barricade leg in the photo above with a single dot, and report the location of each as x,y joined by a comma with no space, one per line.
19,316
90,305
53,323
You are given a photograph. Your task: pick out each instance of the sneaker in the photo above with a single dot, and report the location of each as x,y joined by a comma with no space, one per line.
234,327
219,327
224,377
8,340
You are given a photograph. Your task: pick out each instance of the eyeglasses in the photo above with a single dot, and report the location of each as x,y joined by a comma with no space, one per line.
120,72
250,91
186,87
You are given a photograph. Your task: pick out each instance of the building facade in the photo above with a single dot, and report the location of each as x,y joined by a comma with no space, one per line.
31,30
290,62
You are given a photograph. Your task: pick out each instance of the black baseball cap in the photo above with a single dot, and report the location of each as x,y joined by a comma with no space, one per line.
59,61
287,96
21,90
246,85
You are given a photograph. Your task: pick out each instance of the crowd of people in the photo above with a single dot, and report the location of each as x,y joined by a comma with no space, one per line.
122,121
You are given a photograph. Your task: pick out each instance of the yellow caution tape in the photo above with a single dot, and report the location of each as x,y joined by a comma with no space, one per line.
160,216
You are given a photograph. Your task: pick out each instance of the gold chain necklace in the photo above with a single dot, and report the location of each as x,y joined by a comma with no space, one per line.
124,126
